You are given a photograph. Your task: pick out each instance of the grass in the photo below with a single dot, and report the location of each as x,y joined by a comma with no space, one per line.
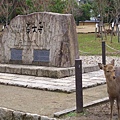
89,46
75,114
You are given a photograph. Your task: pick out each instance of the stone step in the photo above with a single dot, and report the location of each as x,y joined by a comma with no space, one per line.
43,71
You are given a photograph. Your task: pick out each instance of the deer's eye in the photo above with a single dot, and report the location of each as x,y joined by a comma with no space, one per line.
108,71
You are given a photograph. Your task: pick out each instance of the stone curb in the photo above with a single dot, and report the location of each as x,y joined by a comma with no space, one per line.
66,111
53,84
40,71
9,114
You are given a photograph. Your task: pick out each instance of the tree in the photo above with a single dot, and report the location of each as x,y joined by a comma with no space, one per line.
8,10
109,11
11,8
85,8
57,6
117,13
5,7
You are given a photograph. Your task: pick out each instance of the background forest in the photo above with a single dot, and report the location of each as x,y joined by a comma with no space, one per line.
82,10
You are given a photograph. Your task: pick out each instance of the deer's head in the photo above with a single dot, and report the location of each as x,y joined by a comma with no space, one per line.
109,70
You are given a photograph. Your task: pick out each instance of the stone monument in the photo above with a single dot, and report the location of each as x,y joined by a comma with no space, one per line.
41,38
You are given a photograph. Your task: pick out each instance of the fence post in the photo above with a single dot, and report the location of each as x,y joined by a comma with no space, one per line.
118,33
78,79
103,53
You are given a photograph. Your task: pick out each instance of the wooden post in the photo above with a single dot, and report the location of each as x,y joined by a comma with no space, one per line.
103,53
79,92
118,33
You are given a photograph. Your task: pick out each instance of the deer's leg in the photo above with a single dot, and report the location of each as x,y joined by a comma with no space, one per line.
118,107
111,107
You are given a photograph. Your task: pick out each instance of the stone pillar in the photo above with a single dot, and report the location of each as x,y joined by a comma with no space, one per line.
41,38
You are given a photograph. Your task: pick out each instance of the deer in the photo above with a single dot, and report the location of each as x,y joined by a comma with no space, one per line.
112,75
109,31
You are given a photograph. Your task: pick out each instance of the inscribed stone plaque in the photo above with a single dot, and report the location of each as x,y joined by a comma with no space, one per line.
16,54
41,55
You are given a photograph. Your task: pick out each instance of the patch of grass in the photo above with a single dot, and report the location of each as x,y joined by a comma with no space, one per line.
71,114
89,46
75,114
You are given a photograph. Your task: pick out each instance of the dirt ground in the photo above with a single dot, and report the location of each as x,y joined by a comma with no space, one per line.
85,28
99,112
47,103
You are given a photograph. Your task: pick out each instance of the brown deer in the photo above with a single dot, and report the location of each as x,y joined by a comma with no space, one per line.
112,75
109,31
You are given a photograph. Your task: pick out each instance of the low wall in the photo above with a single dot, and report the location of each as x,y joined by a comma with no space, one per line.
40,71
8,114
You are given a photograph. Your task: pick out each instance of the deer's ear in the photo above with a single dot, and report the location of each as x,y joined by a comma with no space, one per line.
113,62
101,66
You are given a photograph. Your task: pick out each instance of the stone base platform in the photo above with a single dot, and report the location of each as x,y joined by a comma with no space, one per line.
43,71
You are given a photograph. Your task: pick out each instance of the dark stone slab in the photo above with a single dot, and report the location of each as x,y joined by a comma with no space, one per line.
16,54
41,55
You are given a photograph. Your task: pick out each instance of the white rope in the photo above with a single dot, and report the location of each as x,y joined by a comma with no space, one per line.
106,45
113,48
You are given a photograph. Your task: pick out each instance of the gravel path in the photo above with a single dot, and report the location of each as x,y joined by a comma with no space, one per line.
94,60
